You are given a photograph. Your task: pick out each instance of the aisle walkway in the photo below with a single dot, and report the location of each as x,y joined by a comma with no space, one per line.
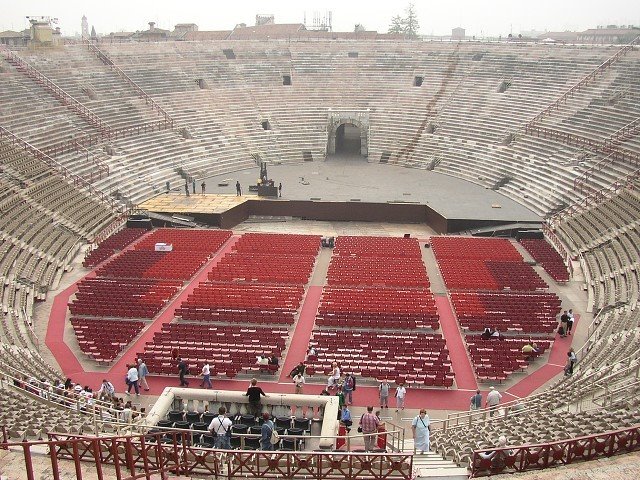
54,338
300,341
168,312
465,378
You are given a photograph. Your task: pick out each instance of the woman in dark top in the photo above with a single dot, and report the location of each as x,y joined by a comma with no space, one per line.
254,394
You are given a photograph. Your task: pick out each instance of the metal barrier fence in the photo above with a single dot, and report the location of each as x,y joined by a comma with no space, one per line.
554,454
141,456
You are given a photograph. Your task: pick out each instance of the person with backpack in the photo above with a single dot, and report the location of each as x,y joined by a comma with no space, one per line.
348,387
220,428
266,432
476,401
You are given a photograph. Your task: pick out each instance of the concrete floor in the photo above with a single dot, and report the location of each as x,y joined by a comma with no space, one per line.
345,178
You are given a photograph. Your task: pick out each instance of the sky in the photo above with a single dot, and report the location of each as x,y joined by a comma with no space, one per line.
478,17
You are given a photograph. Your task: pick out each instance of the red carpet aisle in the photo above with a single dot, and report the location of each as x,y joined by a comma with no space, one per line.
557,361
168,313
465,378
302,334
54,339
69,363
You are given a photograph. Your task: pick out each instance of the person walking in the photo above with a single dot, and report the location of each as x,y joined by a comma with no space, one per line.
564,324
186,188
401,393
570,321
143,371
266,432
203,186
369,426
206,376
421,428
220,428
348,387
280,189
334,376
132,379
238,188
383,389
183,370
476,401
493,400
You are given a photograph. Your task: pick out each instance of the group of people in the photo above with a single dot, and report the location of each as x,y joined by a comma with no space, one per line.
566,323
492,401
136,377
344,386
83,398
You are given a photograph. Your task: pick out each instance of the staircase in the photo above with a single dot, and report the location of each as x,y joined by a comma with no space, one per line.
61,169
167,121
592,76
433,467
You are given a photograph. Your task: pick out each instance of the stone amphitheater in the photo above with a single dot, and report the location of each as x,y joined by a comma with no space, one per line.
89,132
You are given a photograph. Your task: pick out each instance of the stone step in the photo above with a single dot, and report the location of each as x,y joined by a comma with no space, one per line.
432,466
457,473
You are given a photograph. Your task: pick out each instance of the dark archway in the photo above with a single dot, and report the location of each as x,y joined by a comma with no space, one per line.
348,139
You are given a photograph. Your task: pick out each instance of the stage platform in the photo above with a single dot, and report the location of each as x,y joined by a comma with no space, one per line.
348,188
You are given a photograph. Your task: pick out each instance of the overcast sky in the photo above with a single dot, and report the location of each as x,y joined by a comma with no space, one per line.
488,17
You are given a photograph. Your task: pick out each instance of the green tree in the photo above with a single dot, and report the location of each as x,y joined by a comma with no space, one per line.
411,25
397,25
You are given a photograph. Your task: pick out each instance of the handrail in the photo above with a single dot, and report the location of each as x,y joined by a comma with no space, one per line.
64,171
48,395
585,80
591,330
464,419
624,133
596,197
139,456
64,97
553,454
104,57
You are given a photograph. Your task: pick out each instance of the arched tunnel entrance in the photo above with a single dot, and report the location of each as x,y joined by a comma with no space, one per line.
348,139
348,133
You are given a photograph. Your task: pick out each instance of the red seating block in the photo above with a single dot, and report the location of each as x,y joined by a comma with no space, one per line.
547,256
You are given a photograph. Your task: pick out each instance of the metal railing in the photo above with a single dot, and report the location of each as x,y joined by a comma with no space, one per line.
139,456
532,403
64,97
98,409
168,122
584,81
596,197
554,454
64,171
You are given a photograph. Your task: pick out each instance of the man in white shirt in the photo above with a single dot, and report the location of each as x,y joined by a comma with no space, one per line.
493,400
298,381
132,377
220,428
401,392
206,376
107,390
